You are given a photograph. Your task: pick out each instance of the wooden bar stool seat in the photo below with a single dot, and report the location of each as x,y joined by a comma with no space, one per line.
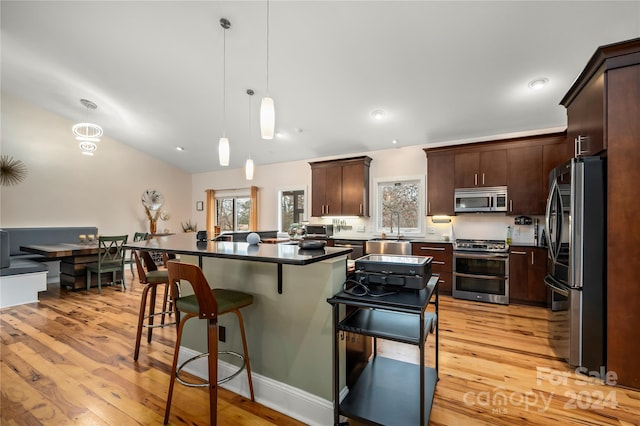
209,304
151,278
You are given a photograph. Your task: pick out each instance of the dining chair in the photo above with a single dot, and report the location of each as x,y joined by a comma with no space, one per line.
151,277
207,304
110,259
137,237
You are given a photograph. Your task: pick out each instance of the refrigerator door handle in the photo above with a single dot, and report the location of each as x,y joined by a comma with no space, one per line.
557,287
553,235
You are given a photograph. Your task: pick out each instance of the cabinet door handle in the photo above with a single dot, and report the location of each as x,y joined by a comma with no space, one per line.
520,252
532,258
322,209
483,178
433,248
475,179
511,204
360,208
578,150
437,262
429,206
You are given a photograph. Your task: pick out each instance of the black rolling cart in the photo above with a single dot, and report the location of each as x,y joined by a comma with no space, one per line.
388,392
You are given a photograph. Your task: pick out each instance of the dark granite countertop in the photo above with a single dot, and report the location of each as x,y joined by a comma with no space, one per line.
288,254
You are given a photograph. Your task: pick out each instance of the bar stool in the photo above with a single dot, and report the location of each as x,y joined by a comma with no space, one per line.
152,278
209,304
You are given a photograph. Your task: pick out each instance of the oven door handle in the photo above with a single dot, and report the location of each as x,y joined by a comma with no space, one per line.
481,256
557,287
482,277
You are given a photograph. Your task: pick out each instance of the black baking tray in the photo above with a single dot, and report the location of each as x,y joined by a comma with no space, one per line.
395,264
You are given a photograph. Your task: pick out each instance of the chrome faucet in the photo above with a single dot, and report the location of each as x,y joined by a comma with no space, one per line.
398,223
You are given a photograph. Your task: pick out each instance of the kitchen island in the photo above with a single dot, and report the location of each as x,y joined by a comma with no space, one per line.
289,333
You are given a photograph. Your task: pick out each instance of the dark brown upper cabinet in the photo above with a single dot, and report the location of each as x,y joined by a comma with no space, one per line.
340,187
528,170
440,184
478,169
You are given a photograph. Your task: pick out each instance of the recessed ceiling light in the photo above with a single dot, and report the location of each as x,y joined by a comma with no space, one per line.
395,141
179,148
378,114
278,135
538,83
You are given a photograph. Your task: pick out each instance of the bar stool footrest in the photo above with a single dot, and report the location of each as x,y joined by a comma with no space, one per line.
220,381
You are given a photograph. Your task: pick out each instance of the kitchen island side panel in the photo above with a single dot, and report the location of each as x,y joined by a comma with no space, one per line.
290,334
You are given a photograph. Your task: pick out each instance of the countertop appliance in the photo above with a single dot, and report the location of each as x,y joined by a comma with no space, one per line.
479,200
575,226
402,272
481,270
319,231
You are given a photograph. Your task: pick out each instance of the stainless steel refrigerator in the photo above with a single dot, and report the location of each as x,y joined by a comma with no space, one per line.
576,230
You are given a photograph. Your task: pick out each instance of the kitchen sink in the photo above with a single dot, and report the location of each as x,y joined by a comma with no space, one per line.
388,246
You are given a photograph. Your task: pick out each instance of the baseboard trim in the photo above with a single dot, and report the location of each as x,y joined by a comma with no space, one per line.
286,399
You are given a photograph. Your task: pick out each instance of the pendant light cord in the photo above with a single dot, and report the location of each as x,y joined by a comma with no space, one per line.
224,83
250,93
267,47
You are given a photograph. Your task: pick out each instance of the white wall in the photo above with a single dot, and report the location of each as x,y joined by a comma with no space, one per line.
65,188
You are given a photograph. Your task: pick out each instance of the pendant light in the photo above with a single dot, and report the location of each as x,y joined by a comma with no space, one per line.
88,134
248,167
267,108
223,144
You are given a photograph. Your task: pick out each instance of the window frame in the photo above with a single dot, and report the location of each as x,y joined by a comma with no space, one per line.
420,212
234,197
279,192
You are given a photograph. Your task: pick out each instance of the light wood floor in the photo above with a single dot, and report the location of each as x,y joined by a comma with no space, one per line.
69,360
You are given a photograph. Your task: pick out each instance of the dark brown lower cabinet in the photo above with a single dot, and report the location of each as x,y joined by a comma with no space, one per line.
441,264
527,268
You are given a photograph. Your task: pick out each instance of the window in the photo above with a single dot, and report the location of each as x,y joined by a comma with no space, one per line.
232,214
291,207
400,200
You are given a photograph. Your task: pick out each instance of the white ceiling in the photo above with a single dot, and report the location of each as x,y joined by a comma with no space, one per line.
442,71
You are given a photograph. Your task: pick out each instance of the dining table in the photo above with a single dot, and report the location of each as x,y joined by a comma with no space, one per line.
73,260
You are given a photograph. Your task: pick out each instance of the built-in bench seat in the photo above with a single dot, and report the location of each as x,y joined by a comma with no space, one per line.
21,281
22,274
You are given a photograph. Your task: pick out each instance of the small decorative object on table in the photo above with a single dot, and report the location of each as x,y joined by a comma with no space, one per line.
201,236
189,227
253,238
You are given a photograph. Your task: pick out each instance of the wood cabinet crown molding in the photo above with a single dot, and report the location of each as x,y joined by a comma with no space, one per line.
542,139
341,162
606,57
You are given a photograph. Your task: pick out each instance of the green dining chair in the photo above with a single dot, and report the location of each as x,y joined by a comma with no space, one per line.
110,259
137,237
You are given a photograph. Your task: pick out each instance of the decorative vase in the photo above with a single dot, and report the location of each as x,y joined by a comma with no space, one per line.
152,226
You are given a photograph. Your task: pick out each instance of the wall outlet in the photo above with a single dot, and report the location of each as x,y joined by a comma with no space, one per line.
517,231
360,228
431,230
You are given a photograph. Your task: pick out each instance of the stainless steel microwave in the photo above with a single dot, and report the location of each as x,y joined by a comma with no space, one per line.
476,200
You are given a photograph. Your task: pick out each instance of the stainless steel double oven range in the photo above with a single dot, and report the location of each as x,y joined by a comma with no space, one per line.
481,270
